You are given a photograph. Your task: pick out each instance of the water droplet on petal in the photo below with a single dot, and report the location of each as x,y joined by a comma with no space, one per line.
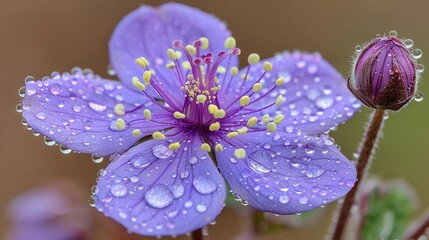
303,200
118,190
159,196
204,185
178,189
408,43
284,199
193,160
161,151
201,208
418,97
416,53
55,88
260,162
324,102
97,107
96,159
314,171
41,115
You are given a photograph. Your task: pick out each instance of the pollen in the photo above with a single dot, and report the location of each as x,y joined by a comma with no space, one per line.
171,54
240,153
120,124
158,135
146,76
206,147
271,127
266,118
257,87
268,67
219,113
252,121
253,58
279,100
174,146
147,114
242,130
201,98
232,134
230,43
119,109
221,70
278,119
136,83
234,71
191,49
244,100
212,108
179,115
186,65
205,43
218,147
142,61
136,132
214,126
280,81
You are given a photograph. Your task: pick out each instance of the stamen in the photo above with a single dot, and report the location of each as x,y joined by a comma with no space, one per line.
268,67
279,100
253,58
278,119
244,100
146,76
212,108
219,113
230,43
201,98
120,124
191,49
205,42
186,65
136,132
280,81
158,135
174,146
147,114
271,127
232,134
252,121
214,126
179,115
143,62
136,82
218,147
234,71
119,109
240,153
206,147
242,130
257,87
266,118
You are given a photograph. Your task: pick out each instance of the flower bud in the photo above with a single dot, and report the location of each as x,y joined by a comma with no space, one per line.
385,73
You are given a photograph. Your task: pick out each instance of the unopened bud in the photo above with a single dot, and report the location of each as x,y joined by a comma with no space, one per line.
384,74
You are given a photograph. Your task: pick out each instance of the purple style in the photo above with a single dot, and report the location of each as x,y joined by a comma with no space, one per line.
183,118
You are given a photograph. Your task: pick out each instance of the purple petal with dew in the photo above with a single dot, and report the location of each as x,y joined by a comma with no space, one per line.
149,31
315,95
285,173
152,190
77,111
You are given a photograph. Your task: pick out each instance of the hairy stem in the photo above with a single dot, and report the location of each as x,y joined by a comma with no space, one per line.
197,234
366,153
419,228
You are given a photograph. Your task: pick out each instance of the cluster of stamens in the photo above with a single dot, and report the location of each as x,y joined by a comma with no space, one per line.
201,76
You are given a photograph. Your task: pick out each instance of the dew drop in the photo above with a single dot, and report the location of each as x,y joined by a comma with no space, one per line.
204,185
283,199
21,92
393,33
303,200
418,97
193,160
118,190
55,89
416,53
161,151
408,43
324,102
159,196
140,162
314,171
40,115
77,108
134,179
65,150
201,208
358,48
96,159
177,189
48,141
97,107
420,68
19,107
260,162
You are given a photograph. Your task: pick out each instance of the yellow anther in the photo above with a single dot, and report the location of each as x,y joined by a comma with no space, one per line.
147,114
201,98
171,54
221,70
219,113
120,124
212,108
136,82
271,127
280,81
266,118
218,147
252,121
158,135
178,54
174,146
214,126
240,153
278,119
146,76
142,61
206,147
179,115
257,87
244,100
205,43
242,130
191,49
136,132
279,100
234,71
253,58
119,109
268,67
230,43
232,134
186,65
170,65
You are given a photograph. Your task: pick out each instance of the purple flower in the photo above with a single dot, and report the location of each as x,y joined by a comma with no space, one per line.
385,72
183,112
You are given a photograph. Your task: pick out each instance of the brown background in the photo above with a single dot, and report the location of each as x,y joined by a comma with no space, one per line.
38,37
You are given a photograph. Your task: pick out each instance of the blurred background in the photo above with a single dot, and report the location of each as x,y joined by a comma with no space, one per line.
38,37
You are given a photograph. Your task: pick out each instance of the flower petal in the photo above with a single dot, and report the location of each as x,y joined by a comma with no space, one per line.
152,190
285,173
315,95
77,111
150,31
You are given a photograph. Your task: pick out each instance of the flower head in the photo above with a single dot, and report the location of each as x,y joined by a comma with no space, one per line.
183,112
385,73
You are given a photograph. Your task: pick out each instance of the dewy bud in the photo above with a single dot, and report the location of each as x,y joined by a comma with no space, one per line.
385,73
